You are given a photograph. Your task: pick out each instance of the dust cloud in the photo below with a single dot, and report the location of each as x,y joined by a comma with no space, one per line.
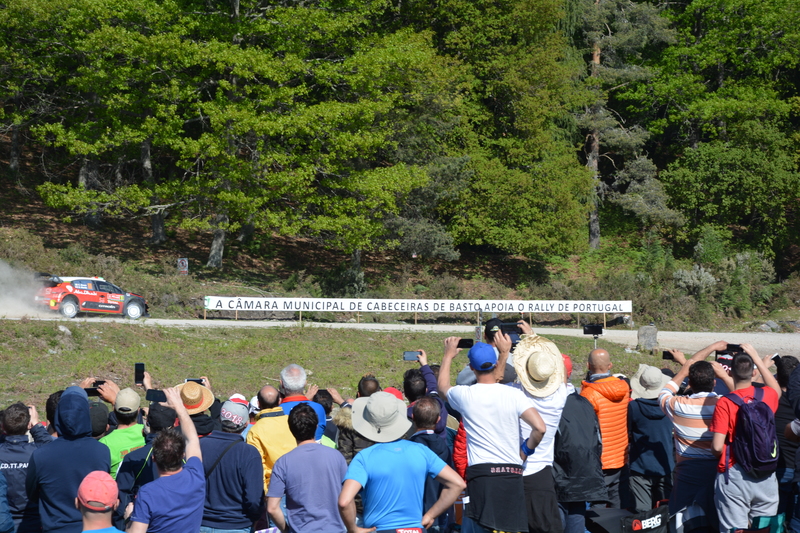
17,292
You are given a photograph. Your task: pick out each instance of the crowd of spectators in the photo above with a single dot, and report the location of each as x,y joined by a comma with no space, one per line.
512,446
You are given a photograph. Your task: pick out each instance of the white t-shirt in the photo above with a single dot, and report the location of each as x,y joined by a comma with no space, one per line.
491,414
550,408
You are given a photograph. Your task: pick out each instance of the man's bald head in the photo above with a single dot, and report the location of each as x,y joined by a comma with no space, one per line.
599,361
268,397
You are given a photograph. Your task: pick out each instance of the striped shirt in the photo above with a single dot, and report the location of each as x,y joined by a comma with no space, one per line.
691,417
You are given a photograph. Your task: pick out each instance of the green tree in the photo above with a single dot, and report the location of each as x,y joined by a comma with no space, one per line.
721,110
616,36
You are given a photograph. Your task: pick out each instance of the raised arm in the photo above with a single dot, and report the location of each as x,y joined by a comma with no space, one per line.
503,343
450,351
187,425
705,352
769,379
427,374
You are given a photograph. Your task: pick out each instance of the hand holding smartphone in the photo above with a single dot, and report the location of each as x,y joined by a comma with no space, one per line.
410,356
465,343
155,395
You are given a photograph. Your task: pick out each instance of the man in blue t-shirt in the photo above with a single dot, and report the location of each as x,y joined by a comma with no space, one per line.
171,502
392,472
310,476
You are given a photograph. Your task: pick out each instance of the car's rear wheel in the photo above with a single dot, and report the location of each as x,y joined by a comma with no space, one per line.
134,310
69,307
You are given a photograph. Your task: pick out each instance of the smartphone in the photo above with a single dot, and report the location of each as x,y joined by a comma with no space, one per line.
734,348
465,343
511,327
155,395
776,358
667,355
410,356
196,380
138,373
98,383
92,391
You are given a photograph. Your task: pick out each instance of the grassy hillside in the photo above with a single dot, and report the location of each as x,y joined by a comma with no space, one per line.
41,357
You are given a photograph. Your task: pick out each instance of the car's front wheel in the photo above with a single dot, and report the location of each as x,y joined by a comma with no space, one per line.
134,310
69,307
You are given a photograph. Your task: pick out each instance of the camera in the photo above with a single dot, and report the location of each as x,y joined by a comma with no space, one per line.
593,329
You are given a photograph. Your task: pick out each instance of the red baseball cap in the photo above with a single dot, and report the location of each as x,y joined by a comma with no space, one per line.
567,363
394,392
98,491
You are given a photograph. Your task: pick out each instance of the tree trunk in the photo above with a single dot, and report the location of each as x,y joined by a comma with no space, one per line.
246,233
592,160
159,235
217,243
88,178
16,150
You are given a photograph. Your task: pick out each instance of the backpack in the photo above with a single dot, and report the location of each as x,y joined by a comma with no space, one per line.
755,444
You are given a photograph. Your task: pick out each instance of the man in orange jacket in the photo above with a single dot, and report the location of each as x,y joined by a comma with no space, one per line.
609,396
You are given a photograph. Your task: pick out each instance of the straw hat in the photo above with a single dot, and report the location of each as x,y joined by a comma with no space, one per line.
380,417
196,398
539,365
647,382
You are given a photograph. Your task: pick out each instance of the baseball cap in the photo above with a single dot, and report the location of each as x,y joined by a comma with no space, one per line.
234,415
127,401
160,417
99,414
567,363
98,491
394,392
491,327
238,398
482,357
254,405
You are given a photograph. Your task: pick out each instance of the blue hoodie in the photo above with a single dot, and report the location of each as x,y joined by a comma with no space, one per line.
56,470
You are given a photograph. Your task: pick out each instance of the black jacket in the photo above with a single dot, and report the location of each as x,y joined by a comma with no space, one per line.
15,454
55,471
437,445
576,465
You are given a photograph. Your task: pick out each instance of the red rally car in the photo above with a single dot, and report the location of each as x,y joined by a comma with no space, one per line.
70,296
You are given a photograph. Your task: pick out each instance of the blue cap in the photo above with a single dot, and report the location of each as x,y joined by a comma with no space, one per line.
482,357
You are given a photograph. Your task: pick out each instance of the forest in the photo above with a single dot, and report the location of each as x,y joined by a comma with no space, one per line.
545,129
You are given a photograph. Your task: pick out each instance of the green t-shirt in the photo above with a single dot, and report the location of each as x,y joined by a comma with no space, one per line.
122,441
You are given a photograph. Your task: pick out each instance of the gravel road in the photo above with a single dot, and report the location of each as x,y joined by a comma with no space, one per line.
783,343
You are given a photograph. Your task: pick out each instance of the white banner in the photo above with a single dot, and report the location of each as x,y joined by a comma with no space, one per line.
364,305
